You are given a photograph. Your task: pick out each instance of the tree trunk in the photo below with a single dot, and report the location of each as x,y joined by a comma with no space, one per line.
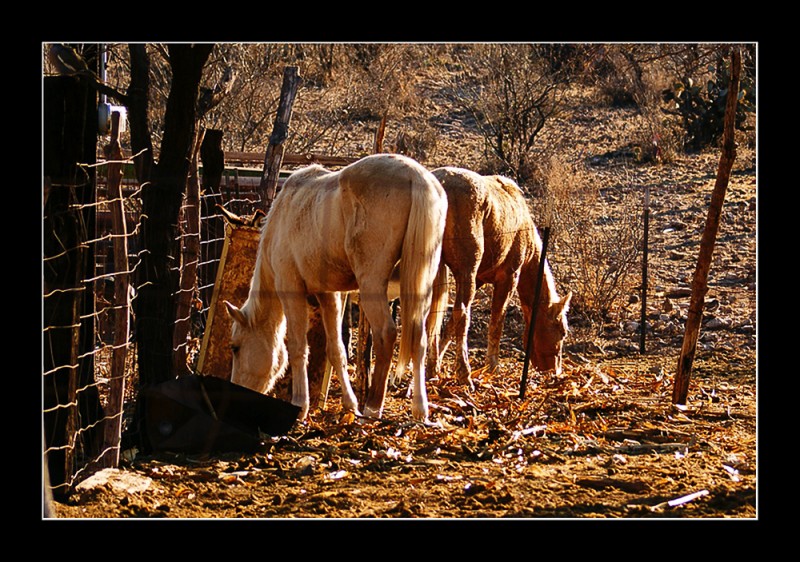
137,112
116,393
700,281
161,200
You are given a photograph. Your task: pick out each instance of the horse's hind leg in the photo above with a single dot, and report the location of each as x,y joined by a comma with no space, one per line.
331,309
419,398
384,336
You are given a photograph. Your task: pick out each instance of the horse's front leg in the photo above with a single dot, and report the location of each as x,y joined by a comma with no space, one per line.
296,309
458,325
331,309
500,296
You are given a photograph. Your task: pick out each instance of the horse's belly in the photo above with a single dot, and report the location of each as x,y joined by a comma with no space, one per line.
324,276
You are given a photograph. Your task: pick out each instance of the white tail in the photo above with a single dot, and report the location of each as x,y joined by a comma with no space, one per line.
419,269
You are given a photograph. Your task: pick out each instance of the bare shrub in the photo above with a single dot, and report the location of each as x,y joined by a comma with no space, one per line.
344,85
511,90
624,75
381,79
417,142
655,140
635,75
247,114
597,240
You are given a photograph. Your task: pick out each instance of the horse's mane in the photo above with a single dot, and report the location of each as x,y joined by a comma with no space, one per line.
549,289
511,187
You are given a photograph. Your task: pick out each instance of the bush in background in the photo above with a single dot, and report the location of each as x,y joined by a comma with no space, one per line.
510,90
698,101
598,243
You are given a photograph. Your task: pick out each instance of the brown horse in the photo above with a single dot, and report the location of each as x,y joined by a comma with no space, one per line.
490,237
333,232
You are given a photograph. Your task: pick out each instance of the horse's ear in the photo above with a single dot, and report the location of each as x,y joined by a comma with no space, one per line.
565,302
235,313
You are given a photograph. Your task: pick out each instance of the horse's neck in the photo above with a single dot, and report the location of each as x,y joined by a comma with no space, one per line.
262,301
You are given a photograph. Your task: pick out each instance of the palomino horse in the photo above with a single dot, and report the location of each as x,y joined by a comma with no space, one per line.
490,238
332,232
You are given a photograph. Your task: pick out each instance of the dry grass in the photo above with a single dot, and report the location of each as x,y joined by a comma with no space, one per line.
596,235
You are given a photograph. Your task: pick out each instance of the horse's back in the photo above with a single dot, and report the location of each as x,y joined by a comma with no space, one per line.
323,224
509,210
493,201
488,221
304,232
383,178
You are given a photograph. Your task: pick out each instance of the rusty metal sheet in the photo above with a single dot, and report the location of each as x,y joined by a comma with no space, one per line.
232,284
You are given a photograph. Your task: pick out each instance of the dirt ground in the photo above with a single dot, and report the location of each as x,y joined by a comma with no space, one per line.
601,440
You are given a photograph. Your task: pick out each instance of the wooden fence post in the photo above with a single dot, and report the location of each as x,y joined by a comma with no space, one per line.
212,225
280,131
191,257
680,389
643,333
113,428
377,145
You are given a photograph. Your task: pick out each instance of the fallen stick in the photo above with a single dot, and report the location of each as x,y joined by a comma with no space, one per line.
658,448
679,501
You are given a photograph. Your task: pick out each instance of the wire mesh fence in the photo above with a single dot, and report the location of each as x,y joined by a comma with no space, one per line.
85,442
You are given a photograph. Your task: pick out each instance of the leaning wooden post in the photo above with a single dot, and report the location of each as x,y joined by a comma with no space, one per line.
280,131
377,145
644,268
700,282
116,393
534,307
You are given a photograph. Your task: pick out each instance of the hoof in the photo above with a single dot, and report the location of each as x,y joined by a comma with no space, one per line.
373,413
466,381
303,411
463,375
395,381
420,414
351,407
422,419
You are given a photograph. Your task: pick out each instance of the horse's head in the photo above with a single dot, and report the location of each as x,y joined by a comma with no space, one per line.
551,330
259,354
